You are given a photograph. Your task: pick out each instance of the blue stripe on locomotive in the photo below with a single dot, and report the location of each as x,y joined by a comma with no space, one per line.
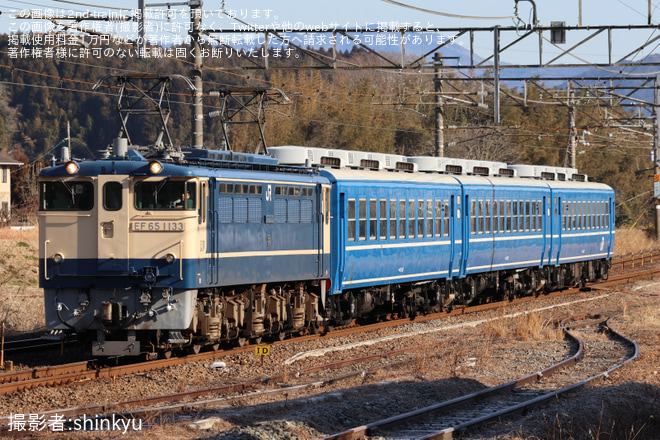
189,274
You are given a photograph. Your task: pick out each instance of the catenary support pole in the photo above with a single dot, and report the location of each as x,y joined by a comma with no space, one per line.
196,73
439,112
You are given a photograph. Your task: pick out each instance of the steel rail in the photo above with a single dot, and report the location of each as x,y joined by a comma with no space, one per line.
22,380
453,431
243,386
373,428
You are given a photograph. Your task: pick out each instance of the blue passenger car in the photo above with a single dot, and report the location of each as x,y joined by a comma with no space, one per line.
404,241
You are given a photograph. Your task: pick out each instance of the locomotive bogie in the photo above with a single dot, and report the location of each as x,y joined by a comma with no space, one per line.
255,312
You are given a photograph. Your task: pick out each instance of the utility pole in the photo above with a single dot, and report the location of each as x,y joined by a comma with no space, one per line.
197,60
439,112
580,13
196,73
496,73
572,132
142,42
650,13
656,157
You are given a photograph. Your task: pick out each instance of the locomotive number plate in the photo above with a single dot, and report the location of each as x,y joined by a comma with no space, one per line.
157,226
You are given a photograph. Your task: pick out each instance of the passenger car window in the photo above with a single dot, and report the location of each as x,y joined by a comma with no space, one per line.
351,220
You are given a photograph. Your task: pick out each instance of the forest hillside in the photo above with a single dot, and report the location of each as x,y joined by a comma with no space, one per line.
371,110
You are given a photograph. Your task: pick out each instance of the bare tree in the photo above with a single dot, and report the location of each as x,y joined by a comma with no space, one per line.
484,144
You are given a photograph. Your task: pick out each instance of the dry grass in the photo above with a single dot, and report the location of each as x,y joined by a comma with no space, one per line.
11,234
647,319
497,328
524,327
21,301
528,327
22,310
634,241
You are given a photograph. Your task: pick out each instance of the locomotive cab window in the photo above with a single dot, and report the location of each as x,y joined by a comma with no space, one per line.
112,196
166,195
66,196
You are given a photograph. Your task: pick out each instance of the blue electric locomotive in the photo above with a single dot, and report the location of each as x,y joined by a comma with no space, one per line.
208,247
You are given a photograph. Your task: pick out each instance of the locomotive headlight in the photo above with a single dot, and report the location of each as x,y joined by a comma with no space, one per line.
155,167
72,167
170,258
58,258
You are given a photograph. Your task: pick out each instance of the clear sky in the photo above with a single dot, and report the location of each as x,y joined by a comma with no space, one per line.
371,12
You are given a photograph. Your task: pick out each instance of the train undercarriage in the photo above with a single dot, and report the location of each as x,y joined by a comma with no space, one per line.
412,299
273,312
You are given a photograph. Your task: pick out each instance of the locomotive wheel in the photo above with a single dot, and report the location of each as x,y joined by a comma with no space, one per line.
257,341
195,348
280,336
167,354
215,347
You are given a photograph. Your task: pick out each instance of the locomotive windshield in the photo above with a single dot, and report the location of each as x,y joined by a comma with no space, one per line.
66,196
165,194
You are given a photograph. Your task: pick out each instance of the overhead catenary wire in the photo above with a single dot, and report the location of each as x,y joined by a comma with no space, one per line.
92,5
341,109
316,97
348,94
446,14
411,129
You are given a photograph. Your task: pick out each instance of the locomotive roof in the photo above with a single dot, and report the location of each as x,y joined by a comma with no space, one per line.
206,163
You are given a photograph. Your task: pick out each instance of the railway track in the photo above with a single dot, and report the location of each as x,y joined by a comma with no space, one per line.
307,380
451,418
17,381
21,346
313,377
